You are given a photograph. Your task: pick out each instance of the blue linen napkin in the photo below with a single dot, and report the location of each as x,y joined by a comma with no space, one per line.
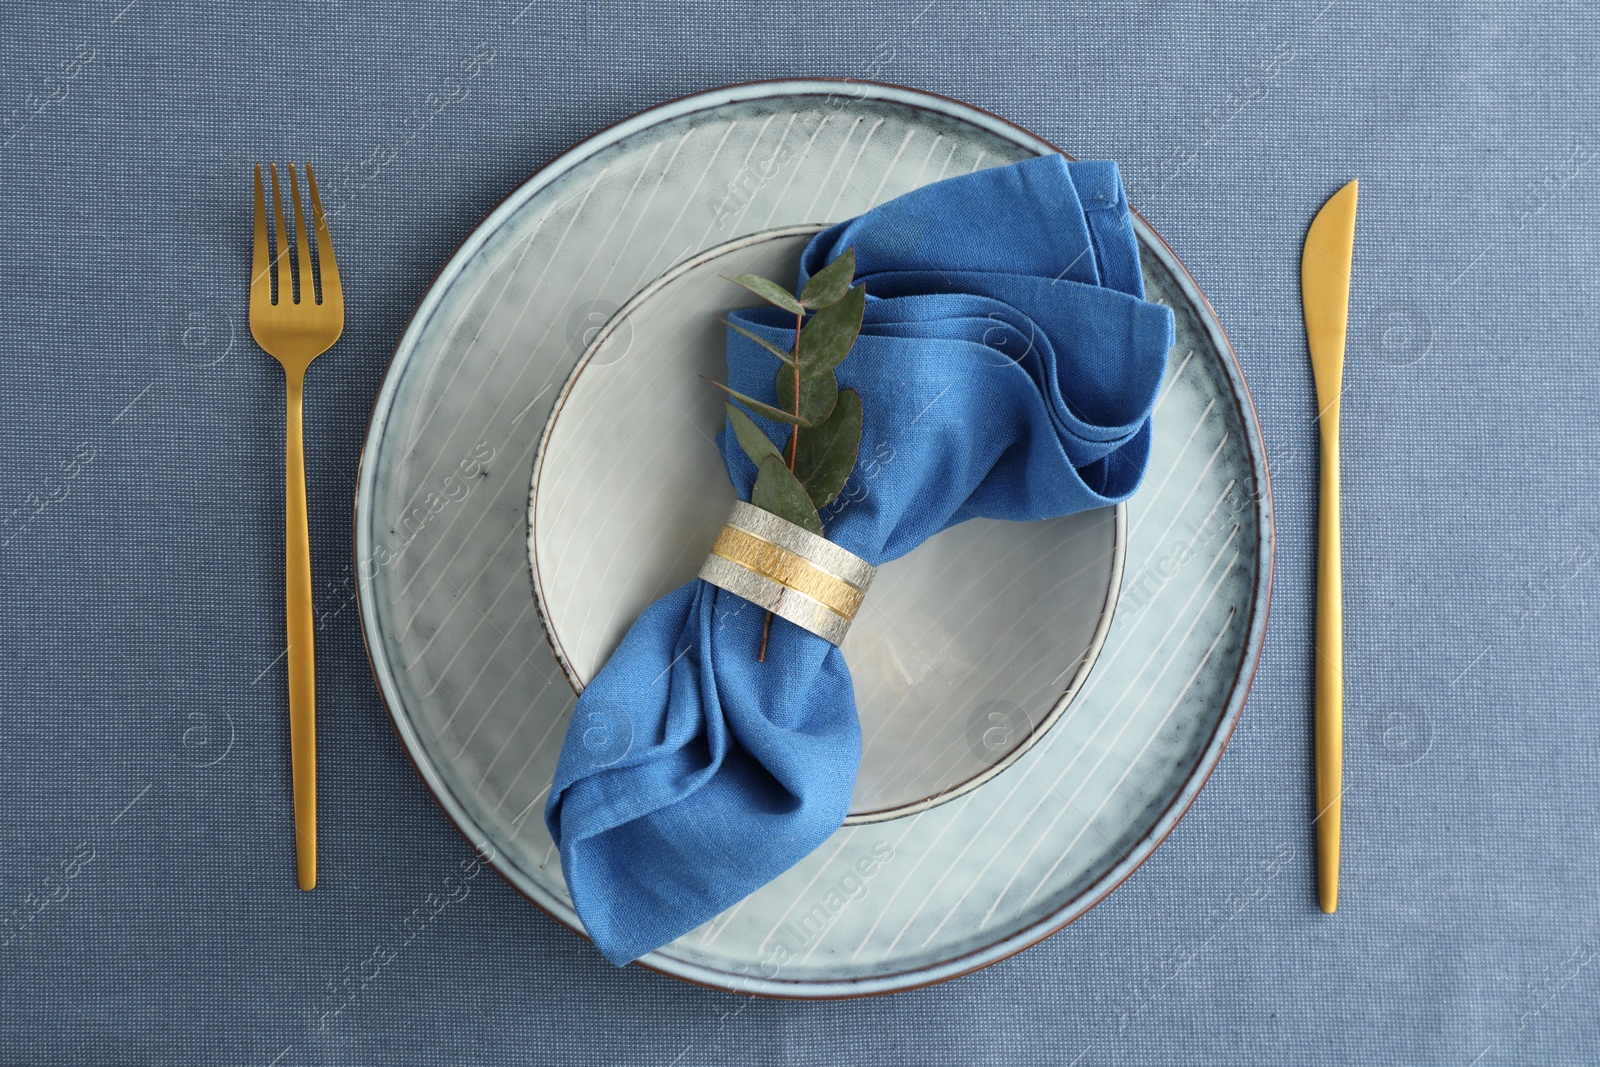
1007,364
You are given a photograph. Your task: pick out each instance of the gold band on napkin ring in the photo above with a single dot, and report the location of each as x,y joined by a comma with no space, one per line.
788,570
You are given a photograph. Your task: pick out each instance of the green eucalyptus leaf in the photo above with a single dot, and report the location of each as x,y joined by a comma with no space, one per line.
783,354
826,454
757,445
758,407
831,282
770,291
827,338
777,490
816,395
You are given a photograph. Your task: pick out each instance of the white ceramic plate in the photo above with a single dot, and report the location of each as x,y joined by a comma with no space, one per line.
958,668
1023,753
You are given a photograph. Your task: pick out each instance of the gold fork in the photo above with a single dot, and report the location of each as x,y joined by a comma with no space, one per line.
295,329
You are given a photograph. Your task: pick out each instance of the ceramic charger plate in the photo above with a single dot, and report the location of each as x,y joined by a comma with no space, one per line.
1040,702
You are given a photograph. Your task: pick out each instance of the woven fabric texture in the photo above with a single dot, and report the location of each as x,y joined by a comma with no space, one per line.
148,908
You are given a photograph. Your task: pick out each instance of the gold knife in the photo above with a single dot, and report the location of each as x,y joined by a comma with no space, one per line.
1325,294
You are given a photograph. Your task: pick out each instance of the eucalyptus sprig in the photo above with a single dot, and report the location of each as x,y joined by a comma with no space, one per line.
796,480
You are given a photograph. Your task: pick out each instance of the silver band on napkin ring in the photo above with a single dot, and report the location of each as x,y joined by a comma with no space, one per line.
788,570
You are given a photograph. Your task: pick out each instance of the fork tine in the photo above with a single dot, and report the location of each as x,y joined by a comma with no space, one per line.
260,266
304,295
331,290
281,259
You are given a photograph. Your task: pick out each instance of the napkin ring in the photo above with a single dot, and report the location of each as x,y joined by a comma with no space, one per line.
789,571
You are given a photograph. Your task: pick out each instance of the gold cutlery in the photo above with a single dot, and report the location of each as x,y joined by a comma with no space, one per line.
299,325
1325,294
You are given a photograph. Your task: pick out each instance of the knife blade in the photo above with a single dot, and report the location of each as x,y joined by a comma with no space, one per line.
1325,265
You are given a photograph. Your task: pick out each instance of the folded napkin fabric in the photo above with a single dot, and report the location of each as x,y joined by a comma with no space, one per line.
1008,363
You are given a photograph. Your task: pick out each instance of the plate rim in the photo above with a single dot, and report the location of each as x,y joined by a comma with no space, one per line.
1211,754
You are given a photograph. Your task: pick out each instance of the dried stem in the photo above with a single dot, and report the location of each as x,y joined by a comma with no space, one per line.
766,631
794,450
794,433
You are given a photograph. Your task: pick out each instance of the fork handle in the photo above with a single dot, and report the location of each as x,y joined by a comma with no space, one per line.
297,602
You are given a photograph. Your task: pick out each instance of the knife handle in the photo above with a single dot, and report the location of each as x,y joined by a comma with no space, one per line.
1329,724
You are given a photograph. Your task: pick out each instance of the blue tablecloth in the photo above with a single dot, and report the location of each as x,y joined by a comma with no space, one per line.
147,903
